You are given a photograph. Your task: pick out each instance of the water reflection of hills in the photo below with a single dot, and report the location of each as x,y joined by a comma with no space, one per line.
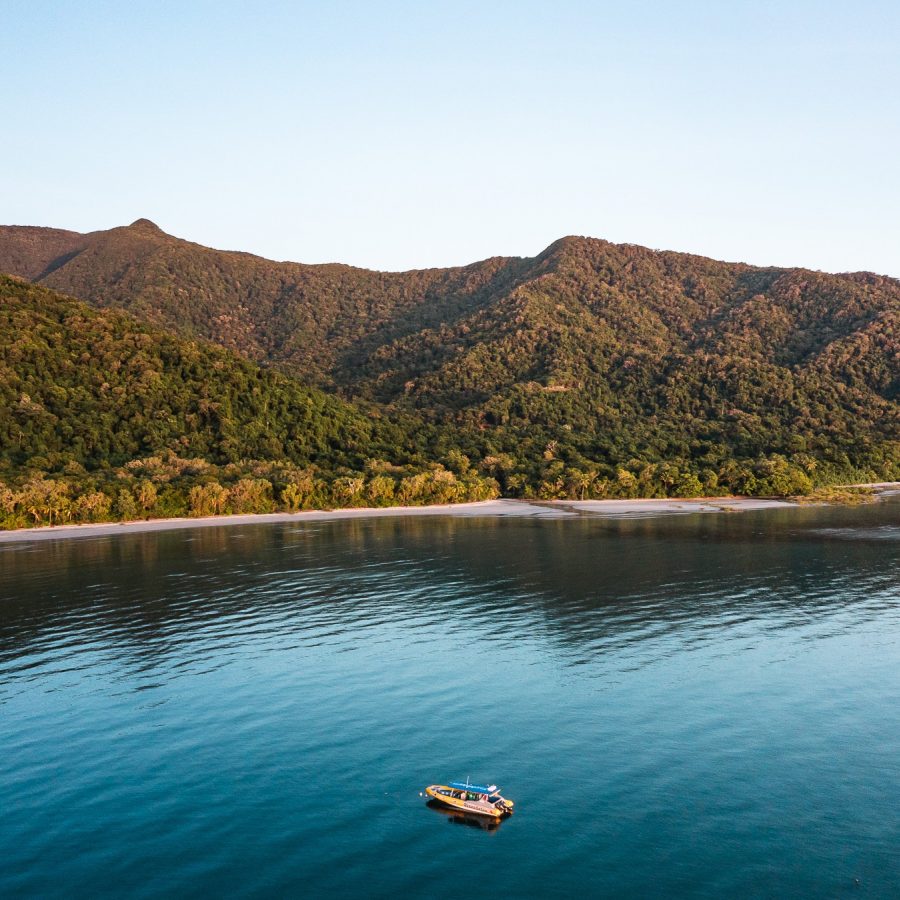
588,584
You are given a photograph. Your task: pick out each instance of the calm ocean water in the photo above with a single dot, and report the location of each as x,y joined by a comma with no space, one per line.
696,706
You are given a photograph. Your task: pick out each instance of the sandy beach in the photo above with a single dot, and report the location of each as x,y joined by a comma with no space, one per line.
535,509
555,509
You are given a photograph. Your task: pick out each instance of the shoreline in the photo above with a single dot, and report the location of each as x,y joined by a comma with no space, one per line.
501,508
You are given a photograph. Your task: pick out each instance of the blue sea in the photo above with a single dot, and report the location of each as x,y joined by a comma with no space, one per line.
705,705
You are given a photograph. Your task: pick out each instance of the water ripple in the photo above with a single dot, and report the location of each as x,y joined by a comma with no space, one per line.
679,706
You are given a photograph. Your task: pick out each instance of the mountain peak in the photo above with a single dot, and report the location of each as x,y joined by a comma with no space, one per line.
145,225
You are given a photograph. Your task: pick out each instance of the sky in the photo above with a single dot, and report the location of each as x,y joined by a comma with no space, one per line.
398,135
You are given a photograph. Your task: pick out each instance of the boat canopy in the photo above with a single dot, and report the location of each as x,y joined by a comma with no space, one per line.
474,788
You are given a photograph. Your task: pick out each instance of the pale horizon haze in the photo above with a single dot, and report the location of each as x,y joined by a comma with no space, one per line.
409,135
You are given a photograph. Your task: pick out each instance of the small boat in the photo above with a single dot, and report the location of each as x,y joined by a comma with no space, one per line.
477,799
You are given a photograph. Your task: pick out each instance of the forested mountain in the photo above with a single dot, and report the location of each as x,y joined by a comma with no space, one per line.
94,404
307,319
593,369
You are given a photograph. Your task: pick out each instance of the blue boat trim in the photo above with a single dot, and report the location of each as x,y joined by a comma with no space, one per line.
474,788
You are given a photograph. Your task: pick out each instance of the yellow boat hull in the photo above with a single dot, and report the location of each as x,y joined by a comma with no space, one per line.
446,796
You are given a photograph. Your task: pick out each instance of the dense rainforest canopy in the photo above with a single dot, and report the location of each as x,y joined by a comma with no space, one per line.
592,370
98,411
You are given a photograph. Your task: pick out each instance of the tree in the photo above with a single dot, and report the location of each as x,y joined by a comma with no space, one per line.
126,507
250,495
93,506
347,491
380,490
208,499
146,495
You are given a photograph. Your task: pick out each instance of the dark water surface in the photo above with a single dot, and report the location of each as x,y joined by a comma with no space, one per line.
705,705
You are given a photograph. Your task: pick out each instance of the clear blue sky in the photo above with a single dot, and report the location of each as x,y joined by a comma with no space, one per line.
400,135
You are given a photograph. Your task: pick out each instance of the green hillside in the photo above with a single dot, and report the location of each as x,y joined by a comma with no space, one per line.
304,318
621,353
95,401
593,369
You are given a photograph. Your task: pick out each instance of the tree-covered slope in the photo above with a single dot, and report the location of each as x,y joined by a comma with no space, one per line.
103,417
302,317
620,351
594,309
649,372
33,252
98,387
453,336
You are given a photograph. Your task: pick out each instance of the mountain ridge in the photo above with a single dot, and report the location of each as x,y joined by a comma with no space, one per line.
151,226
114,267
590,356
